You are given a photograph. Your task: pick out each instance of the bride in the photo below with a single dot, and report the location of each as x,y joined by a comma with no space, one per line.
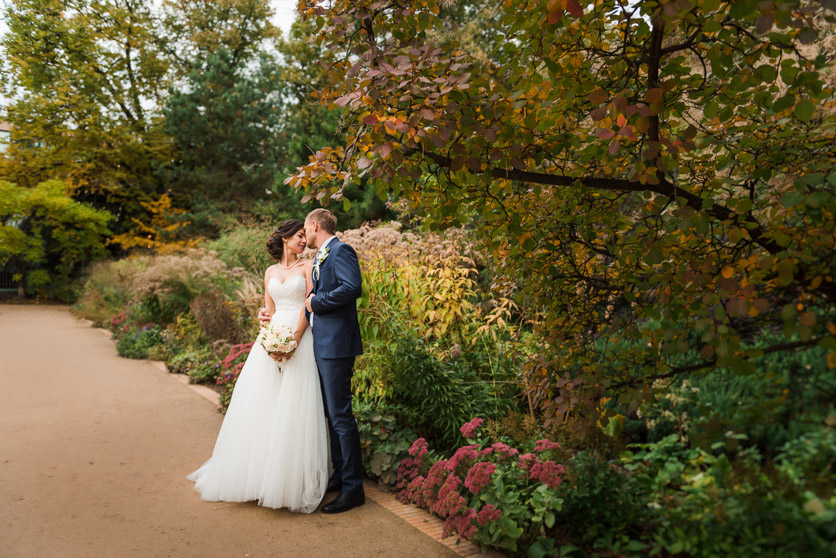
273,443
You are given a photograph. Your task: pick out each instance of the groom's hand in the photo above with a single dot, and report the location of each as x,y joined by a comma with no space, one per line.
308,303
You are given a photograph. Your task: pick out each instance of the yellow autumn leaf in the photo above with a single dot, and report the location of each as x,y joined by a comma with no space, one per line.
728,271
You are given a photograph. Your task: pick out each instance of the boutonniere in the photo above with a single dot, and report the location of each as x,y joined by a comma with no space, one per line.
321,257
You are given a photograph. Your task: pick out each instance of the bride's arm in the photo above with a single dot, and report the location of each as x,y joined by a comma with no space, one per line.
303,320
269,305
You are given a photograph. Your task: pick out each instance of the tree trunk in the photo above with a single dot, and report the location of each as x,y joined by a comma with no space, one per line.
21,283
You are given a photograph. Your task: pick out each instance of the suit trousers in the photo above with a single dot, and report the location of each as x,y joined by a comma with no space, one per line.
335,379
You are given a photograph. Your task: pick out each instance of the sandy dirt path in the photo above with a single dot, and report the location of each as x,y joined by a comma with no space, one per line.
94,450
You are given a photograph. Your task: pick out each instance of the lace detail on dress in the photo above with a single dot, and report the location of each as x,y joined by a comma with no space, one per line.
288,294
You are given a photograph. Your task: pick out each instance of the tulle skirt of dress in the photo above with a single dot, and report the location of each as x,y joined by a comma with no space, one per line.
273,443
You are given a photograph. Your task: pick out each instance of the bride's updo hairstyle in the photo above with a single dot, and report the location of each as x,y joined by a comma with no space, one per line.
275,242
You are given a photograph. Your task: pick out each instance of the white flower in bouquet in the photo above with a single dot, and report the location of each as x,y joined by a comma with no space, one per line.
277,339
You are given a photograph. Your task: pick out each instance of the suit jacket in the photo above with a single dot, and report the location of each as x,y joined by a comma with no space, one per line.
336,329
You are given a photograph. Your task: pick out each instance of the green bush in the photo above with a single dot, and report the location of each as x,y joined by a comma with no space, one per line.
200,364
136,343
600,501
788,397
244,247
435,396
383,443
108,289
713,505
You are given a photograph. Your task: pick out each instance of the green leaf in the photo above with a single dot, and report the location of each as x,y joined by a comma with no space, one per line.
804,110
783,103
792,199
817,199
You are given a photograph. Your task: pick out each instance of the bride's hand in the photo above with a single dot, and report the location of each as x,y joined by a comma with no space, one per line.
263,316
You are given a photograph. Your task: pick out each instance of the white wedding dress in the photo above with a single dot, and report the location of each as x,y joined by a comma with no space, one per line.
273,443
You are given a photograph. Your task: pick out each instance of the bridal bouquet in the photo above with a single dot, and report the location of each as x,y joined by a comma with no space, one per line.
277,340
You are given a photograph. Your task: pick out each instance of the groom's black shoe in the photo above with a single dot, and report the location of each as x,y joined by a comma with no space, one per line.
345,501
335,484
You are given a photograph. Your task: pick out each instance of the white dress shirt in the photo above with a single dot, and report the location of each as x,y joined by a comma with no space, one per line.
321,248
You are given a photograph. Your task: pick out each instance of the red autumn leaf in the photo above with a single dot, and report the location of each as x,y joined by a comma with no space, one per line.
598,96
437,140
385,150
605,133
401,126
370,120
598,114
427,114
654,95
574,8
628,132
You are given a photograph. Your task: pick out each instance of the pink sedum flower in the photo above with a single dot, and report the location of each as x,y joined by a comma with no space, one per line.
469,429
504,451
462,524
418,448
547,472
545,445
464,455
436,476
479,477
488,514
526,460
450,501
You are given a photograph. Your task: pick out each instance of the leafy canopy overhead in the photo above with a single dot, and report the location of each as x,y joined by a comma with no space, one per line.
633,163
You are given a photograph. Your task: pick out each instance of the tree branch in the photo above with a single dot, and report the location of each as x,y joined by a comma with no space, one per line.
709,363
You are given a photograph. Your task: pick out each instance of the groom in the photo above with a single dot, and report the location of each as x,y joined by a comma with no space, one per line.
331,310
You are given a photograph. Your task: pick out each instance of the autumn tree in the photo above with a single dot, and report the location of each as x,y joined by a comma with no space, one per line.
198,28
657,177
45,234
86,79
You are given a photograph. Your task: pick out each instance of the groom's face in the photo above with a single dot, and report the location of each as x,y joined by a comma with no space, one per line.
310,233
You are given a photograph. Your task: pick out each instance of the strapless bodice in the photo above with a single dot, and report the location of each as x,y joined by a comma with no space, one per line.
288,294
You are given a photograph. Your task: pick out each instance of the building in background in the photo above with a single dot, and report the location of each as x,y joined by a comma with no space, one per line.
5,135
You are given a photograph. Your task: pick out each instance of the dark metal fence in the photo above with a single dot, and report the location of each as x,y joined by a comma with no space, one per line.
7,282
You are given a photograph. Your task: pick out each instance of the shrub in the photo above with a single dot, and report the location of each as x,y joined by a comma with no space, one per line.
709,505
434,396
787,398
244,247
201,365
136,343
600,499
108,289
383,443
215,315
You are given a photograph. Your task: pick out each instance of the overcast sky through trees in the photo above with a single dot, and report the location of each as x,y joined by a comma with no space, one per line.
285,13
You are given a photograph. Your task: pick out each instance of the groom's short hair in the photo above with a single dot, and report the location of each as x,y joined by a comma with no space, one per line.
326,219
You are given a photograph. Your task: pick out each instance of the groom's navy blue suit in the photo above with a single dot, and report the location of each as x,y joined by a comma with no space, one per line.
336,336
